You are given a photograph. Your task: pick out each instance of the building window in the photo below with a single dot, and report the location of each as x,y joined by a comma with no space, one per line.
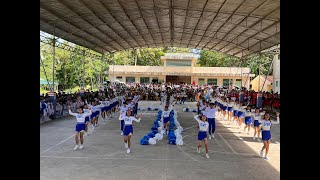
226,82
238,83
201,81
179,63
130,79
212,81
144,80
276,83
119,78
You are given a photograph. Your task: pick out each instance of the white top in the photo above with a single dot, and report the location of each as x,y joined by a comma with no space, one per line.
257,116
80,117
129,120
266,125
165,114
203,126
211,113
123,111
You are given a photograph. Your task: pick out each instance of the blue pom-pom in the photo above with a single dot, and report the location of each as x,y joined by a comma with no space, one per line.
151,134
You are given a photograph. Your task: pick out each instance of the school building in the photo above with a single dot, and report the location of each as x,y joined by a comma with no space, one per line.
181,68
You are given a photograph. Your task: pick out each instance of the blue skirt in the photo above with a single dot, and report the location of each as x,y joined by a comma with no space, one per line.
165,120
80,127
240,114
235,112
127,130
224,108
256,123
87,119
266,135
230,109
248,120
202,135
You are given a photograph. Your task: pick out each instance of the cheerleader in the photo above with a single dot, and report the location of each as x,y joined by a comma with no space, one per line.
123,110
128,130
257,124
165,117
247,119
235,112
224,109
80,127
86,110
240,115
202,135
211,115
230,110
266,135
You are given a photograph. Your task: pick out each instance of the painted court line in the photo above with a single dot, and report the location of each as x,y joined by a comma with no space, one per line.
227,144
57,144
187,154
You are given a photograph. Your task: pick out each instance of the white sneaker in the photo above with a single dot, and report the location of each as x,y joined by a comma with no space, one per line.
266,158
259,140
126,145
209,137
81,146
76,147
121,133
254,138
261,153
128,151
212,135
198,150
207,156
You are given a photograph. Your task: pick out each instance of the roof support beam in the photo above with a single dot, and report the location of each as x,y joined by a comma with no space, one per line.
72,10
254,10
86,5
171,22
125,11
113,16
197,22
46,9
224,23
144,21
215,16
258,43
184,23
155,13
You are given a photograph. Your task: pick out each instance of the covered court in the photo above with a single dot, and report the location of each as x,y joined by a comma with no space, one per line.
233,154
234,27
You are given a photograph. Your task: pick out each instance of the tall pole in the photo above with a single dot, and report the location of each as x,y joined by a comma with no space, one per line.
259,79
53,58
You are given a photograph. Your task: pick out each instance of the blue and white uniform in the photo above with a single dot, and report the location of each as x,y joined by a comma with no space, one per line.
87,111
123,111
235,110
80,126
230,107
203,128
265,128
248,118
165,116
257,119
128,129
241,112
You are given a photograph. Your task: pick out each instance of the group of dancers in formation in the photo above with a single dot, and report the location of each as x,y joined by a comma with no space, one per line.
234,112
127,107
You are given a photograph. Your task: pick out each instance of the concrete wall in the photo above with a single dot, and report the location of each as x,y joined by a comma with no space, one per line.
276,74
255,84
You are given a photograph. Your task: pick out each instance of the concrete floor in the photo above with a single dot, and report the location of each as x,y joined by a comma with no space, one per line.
233,154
